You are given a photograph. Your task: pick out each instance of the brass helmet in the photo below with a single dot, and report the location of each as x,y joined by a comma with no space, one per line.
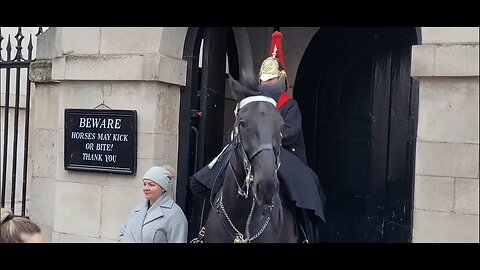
273,66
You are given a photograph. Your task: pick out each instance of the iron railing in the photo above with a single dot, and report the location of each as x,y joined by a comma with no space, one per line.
17,63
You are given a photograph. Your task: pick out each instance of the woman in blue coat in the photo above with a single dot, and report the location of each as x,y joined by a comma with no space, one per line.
158,219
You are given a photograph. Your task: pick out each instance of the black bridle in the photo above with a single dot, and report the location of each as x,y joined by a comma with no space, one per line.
248,158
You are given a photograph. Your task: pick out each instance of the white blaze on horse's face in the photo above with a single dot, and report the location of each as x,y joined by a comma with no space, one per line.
259,130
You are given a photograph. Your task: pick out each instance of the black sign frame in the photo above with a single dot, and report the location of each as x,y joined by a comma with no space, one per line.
103,131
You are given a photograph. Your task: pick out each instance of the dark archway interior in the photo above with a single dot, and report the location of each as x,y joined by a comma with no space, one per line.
359,107
203,103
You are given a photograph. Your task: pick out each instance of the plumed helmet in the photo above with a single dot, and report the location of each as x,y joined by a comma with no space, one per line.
273,66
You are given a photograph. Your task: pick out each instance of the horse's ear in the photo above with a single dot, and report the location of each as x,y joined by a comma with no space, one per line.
234,85
242,91
248,79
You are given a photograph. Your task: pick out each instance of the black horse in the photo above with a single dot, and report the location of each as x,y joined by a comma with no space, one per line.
248,206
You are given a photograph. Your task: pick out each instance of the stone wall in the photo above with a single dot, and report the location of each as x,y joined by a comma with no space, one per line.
124,68
446,197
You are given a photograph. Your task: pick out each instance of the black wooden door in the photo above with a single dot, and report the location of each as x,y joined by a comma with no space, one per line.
359,118
212,94
202,111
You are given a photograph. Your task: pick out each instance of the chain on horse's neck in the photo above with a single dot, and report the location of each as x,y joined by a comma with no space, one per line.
234,191
245,238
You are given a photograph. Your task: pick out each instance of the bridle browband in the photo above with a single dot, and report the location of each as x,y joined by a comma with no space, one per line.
251,99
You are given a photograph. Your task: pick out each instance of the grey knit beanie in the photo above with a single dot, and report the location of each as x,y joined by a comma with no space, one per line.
159,175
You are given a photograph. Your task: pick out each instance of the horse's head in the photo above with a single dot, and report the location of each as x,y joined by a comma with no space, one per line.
257,137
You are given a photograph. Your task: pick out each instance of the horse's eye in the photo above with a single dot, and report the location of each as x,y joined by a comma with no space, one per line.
242,123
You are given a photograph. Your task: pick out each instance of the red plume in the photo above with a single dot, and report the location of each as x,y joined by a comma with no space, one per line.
277,38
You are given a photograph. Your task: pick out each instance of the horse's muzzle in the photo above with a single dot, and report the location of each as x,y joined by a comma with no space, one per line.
265,191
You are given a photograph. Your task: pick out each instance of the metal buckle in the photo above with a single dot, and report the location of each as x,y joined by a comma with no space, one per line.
202,232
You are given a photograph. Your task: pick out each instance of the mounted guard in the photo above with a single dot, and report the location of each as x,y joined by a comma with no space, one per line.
299,186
